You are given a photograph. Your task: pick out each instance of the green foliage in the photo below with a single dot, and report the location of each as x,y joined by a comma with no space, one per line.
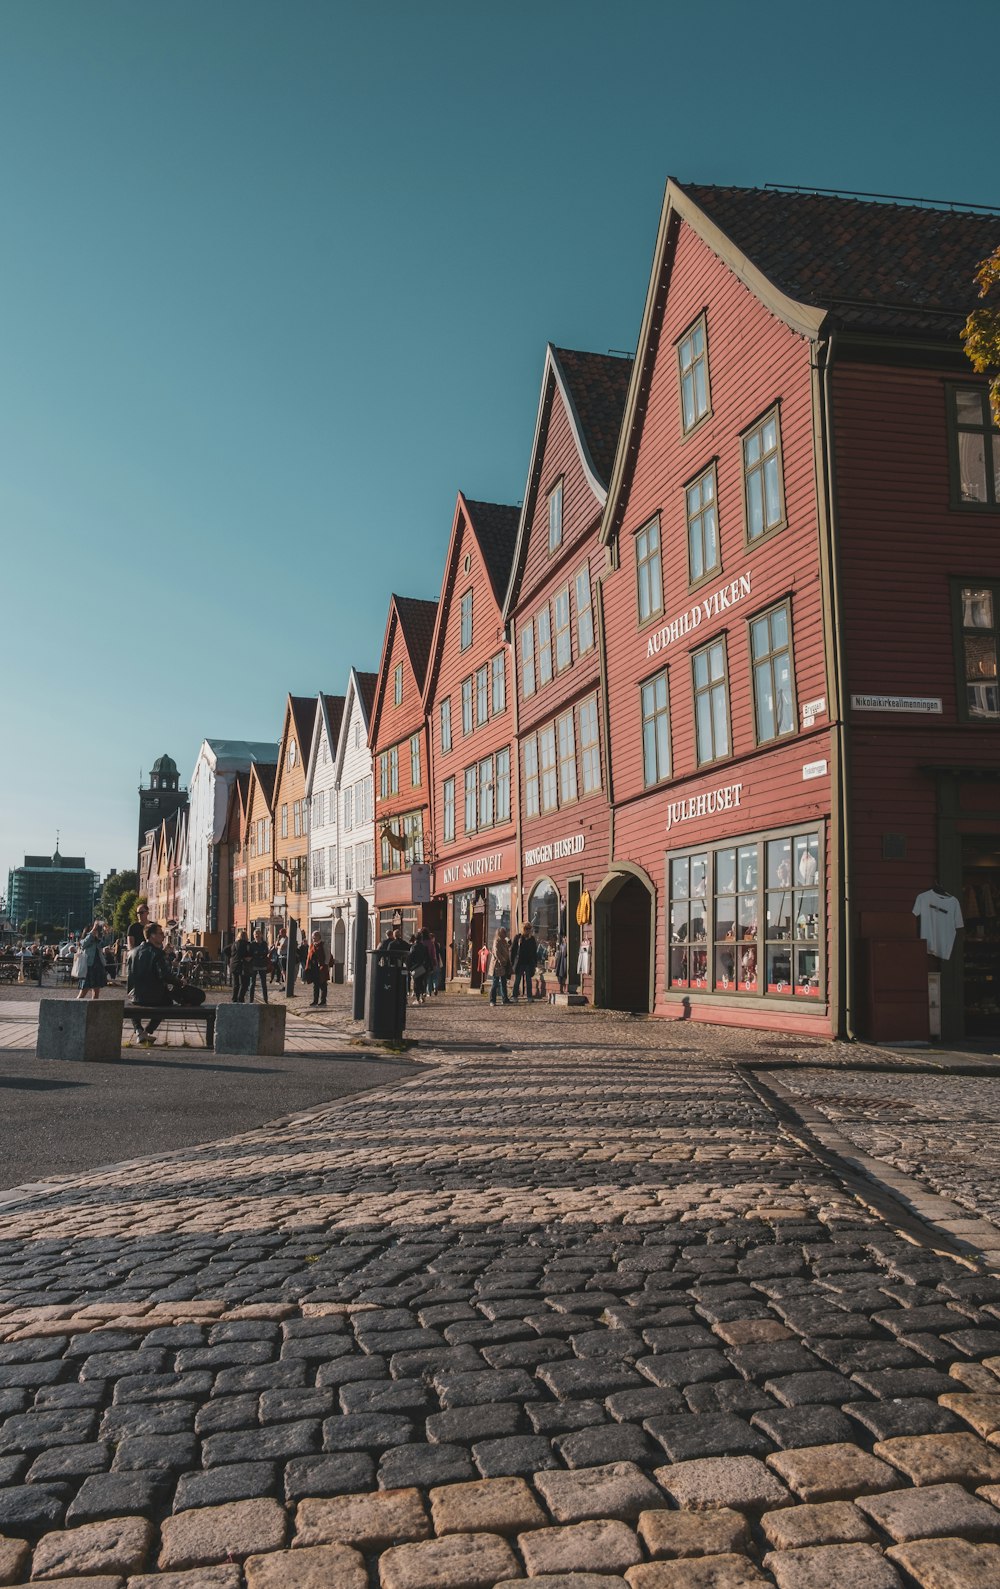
111,893
124,913
981,333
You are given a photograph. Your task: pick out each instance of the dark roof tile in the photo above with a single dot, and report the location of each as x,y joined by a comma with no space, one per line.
598,385
495,525
416,619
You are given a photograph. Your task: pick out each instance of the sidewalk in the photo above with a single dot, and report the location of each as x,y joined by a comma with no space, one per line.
572,1304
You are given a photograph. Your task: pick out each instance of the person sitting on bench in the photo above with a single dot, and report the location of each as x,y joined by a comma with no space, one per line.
152,979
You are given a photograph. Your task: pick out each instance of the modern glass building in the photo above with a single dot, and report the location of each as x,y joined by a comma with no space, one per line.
56,890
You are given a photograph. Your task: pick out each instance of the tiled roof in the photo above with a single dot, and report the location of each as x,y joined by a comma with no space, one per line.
367,685
903,269
495,525
304,717
416,619
334,713
266,771
598,385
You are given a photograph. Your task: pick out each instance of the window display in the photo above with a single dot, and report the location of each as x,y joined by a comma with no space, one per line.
543,913
722,896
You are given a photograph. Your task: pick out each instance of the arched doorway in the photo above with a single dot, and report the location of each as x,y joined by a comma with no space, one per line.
340,946
543,913
623,941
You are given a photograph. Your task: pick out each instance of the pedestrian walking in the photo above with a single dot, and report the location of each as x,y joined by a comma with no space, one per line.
418,964
317,969
258,964
524,964
501,966
562,964
432,962
239,966
95,977
274,959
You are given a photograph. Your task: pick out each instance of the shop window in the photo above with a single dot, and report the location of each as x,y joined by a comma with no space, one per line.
446,723
647,571
543,625
773,695
555,516
531,792
467,706
548,769
692,362
466,633
448,807
498,689
471,801
503,785
711,703
543,914
762,483
564,645
584,611
793,915
397,684
977,624
528,659
689,922
415,760
567,758
702,526
655,730
482,694
975,448
590,746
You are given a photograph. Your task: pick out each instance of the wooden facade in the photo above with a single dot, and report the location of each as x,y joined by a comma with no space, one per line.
258,848
291,811
237,916
469,710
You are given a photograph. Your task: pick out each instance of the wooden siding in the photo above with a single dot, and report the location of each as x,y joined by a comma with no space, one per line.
395,726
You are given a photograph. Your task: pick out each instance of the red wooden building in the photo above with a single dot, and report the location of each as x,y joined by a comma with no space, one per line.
397,738
801,622
552,613
469,706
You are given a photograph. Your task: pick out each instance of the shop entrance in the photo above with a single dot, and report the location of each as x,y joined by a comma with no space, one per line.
574,890
623,934
980,902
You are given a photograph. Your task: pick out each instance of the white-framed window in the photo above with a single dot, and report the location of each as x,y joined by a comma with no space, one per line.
467,688
531,793
319,809
284,822
349,866
548,767
555,516
590,746
649,579
297,819
471,800
692,361
331,861
415,760
655,697
319,869
482,694
564,644
584,611
394,770
702,526
446,723
448,809
711,702
762,482
397,684
528,659
498,683
383,788
486,792
566,731
503,785
466,622
543,625
773,687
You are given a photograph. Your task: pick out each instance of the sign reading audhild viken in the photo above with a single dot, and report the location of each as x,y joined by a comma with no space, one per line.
713,606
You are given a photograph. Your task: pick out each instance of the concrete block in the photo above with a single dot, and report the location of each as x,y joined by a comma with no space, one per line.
79,1029
250,1029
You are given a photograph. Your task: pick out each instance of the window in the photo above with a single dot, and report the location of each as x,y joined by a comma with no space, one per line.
555,516
531,802
415,760
267,835
467,706
319,809
976,447
486,792
349,866
397,684
331,861
319,869
702,526
394,770
647,571
584,612
711,706
498,684
979,606
543,624
590,746
566,731
383,787
362,801
402,843
357,736
528,660
765,508
260,835
297,819
364,856
503,785
655,730
471,800
692,359
448,805
564,647
446,723
284,822
773,699
466,637
305,816
547,756
482,694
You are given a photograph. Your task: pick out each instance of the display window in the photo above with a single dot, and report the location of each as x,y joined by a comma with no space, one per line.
543,913
745,918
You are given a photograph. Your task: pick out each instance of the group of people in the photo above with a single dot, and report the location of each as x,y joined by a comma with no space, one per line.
251,959
422,962
525,959
152,978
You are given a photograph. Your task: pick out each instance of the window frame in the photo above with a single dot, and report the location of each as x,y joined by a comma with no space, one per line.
717,640
773,411
532,782
555,497
700,320
543,645
465,613
470,781
561,631
567,761
591,746
498,674
641,564
990,431
528,662
582,576
397,684
644,685
468,706
448,811
501,781
776,606
694,581
959,583
548,770
444,710
415,769
482,678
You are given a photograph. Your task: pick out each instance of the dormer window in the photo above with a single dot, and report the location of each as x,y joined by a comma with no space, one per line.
291,754
466,638
692,360
397,684
555,516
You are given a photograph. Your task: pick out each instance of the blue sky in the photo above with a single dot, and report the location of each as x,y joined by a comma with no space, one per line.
276,281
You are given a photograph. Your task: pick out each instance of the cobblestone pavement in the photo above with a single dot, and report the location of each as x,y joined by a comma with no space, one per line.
568,1306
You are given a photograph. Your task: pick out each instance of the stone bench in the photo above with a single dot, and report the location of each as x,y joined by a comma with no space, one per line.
250,1029
80,1029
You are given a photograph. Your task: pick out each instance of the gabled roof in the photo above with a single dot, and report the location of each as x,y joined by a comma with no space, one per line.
328,713
367,684
303,716
263,774
593,387
415,620
361,688
494,529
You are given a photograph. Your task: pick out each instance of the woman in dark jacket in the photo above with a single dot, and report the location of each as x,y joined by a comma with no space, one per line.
239,966
317,969
418,963
527,960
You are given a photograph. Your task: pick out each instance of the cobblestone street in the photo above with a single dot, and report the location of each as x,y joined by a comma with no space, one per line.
584,1302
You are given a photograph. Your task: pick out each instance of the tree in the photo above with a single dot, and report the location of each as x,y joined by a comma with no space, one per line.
124,913
981,333
121,883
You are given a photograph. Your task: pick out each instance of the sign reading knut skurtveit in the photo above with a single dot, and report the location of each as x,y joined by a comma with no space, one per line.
713,606
482,866
557,850
727,797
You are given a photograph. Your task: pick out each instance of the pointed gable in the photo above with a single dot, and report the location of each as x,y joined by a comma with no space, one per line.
492,527
328,715
359,703
409,633
580,410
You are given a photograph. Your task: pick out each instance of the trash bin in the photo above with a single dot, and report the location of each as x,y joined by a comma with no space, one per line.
338,972
385,1002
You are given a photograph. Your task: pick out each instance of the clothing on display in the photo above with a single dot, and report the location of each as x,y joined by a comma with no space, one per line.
940,916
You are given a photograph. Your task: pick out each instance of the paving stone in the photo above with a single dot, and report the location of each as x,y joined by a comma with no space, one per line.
27,1510
574,1378
346,1473
727,1395
466,1424
279,1443
69,1462
200,1578
120,1545
348,1370
935,1509
37,1431
368,1522
684,1368
823,1523
889,1383
138,1418
949,1563
598,1546
165,1387
913,1415
117,1495
366,1432
513,1454
101,1581
751,1331
942,1459
14,1555
685,1438
474,1390
383,1395
721,1532
585,1448
224,1413
459,1561
626,1406
424,1464
832,1567
287,1406
486,1506
837,1472
550,1418
320,1567
706,1572
768,1359
217,1534
287,1374
110,1365
614,1490
159,1451
570,1580
803,1426
743,1483
982,1412
821,1386
526,1354
239,1481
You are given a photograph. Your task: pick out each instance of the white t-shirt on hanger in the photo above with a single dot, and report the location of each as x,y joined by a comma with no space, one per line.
940,917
